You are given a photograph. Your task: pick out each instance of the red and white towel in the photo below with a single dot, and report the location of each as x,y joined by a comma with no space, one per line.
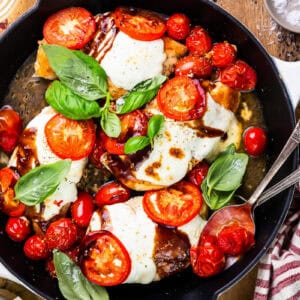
278,275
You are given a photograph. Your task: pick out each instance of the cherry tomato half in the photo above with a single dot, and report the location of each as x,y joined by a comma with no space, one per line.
132,124
61,234
198,173
198,41
71,27
10,129
193,66
139,24
182,98
223,54
17,228
239,76
255,141
178,26
82,209
36,248
69,138
112,192
175,205
105,261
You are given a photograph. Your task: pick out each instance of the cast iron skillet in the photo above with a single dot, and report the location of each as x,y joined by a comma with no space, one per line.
20,40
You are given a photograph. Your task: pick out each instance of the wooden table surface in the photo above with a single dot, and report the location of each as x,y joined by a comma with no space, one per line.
278,42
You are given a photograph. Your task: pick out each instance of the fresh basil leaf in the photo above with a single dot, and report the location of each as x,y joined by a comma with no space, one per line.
136,143
229,150
142,93
72,284
72,106
110,124
39,183
215,199
154,126
78,71
226,172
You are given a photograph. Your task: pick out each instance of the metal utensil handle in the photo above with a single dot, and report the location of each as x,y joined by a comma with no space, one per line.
279,187
288,148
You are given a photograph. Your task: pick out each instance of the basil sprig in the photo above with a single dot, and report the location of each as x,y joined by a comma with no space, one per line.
41,182
78,71
137,143
224,177
141,94
72,284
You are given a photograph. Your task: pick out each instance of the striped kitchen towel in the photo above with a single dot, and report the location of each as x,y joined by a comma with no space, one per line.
278,275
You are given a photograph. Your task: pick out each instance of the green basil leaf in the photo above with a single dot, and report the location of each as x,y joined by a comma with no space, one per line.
78,71
142,93
72,106
72,284
39,183
215,199
154,126
136,143
226,172
229,150
110,124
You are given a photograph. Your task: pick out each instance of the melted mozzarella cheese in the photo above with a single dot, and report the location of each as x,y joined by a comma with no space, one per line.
177,144
66,191
130,61
130,224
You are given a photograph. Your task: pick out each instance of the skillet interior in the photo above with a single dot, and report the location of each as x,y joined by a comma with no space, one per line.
20,40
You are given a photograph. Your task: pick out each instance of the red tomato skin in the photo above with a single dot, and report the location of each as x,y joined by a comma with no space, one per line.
255,141
111,193
139,24
98,151
223,54
178,26
239,76
10,128
35,248
198,173
61,234
198,41
79,34
82,209
17,228
193,66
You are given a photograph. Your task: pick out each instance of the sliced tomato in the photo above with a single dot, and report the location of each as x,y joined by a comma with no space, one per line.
182,98
140,24
239,76
69,138
175,205
132,124
71,27
105,261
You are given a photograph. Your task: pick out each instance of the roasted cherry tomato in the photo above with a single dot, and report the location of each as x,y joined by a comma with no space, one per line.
69,138
207,259
36,248
74,254
234,239
10,129
132,124
239,76
198,173
112,192
178,26
198,41
105,261
82,209
139,24
17,228
223,54
182,98
175,205
61,234
255,140
71,27
193,66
